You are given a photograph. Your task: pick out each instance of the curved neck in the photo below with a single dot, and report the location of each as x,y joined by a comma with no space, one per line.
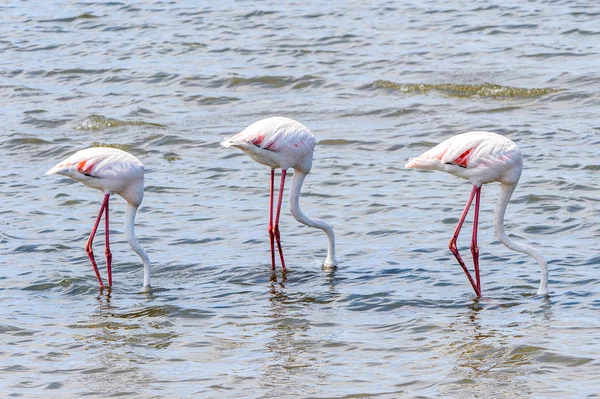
133,242
297,182
505,194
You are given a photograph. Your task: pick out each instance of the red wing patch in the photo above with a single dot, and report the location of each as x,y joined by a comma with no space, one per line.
462,158
257,141
84,168
81,165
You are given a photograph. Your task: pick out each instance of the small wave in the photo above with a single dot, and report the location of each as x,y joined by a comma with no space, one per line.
170,140
10,329
493,110
99,122
44,123
580,32
77,71
189,241
334,39
271,82
420,144
147,312
551,55
123,147
23,142
463,91
313,16
565,360
202,100
85,15
34,248
161,189
478,28
339,142
383,112
533,198
258,13
70,286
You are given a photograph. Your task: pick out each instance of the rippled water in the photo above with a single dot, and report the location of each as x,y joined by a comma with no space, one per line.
378,82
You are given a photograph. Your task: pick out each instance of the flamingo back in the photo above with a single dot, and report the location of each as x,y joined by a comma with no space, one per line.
277,142
480,157
107,169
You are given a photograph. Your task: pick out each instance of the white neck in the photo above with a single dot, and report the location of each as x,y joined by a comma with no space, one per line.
133,242
297,181
505,194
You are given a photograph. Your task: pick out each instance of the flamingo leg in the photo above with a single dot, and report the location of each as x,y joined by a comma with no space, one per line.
88,245
276,227
452,245
107,252
474,247
271,232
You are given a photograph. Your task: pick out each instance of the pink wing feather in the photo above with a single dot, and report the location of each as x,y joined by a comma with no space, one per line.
477,156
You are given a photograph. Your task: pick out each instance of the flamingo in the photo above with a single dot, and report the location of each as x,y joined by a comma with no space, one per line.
111,171
482,157
283,143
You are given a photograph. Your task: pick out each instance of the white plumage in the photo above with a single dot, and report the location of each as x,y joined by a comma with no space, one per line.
283,143
111,171
482,157
278,142
106,169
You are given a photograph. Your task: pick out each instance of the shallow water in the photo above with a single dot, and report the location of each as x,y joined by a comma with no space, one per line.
377,83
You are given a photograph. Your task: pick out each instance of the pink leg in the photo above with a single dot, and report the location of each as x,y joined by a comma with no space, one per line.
474,247
452,245
88,245
276,228
271,232
107,252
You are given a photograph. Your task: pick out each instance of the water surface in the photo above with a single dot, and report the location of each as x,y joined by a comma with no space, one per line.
377,83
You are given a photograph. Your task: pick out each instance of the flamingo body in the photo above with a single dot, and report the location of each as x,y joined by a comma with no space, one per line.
106,169
111,171
482,157
283,143
278,142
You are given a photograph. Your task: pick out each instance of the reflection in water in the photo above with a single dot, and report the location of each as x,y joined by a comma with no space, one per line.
285,352
484,357
103,298
118,339
274,281
471,346
294,364
545,309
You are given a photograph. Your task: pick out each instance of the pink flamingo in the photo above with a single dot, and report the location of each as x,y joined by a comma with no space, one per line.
111,171
283,143
482,157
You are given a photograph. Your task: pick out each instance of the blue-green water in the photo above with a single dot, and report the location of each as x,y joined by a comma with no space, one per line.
377,82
